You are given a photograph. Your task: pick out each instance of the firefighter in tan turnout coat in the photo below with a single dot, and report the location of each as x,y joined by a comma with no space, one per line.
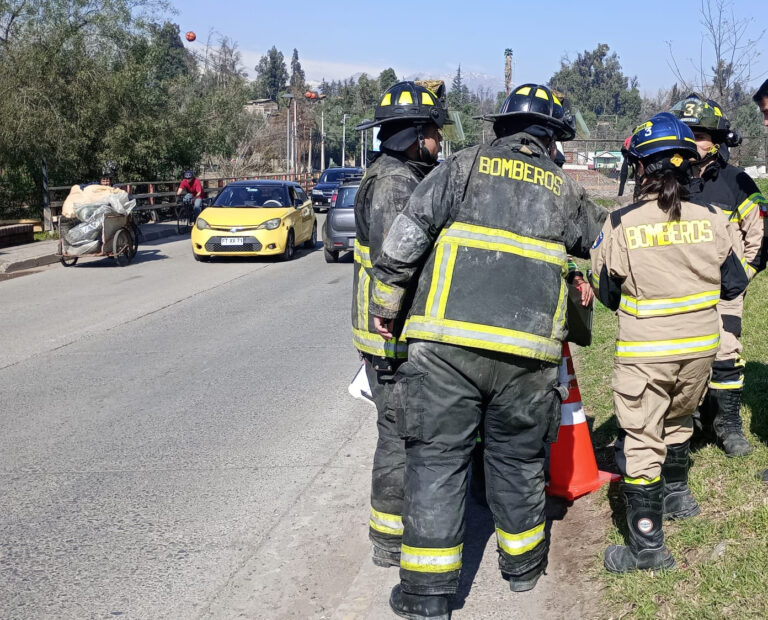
663,263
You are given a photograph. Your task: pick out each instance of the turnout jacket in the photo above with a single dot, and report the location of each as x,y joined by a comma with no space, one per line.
383,193
483,244
665,278
734,192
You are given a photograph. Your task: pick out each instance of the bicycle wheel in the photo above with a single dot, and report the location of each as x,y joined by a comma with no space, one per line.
122,247
136,230
183,219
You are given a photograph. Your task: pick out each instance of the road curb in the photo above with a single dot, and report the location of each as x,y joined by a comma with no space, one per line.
48,249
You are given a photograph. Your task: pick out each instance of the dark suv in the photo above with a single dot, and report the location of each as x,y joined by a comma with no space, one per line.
329,181
339,227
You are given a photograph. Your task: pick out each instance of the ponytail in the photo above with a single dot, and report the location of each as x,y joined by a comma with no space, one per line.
669,189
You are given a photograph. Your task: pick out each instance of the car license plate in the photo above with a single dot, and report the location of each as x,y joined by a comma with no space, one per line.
350,243
231,241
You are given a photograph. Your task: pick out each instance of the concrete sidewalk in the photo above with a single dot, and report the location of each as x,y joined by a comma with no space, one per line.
40,253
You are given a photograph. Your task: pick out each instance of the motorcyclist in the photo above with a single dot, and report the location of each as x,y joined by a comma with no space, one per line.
193,190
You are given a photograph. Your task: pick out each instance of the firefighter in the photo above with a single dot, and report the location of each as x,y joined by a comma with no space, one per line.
663,263
483,247
409,117
734,192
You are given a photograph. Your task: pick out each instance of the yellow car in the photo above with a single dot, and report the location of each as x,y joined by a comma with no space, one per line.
255,218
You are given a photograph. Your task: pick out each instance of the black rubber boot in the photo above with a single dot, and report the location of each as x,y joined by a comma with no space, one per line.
646,549
679,503
418,606
728,422
527,581
382,557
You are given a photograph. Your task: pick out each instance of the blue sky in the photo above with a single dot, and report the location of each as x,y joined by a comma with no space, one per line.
338,39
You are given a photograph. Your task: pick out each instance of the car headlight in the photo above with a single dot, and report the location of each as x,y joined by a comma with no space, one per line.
269,224
202,224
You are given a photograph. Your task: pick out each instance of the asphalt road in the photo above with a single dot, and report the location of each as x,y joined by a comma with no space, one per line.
176,441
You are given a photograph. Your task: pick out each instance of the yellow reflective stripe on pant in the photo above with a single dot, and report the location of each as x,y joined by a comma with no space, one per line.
386,523
727,385
660,348
641,481
484,337
429,560
672,305
362,255
517,544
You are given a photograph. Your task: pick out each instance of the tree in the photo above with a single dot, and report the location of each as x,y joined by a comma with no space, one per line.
595,84
271,75
298,81
728,53
459,93
387,78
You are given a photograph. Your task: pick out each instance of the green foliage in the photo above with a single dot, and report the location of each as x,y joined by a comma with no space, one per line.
387,78
595,84
271,75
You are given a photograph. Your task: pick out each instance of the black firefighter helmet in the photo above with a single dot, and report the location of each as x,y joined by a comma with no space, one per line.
408,102
534,104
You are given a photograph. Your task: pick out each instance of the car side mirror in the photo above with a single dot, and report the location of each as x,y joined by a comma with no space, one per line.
297,202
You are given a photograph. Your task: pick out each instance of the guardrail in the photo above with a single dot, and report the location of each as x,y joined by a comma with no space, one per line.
162,194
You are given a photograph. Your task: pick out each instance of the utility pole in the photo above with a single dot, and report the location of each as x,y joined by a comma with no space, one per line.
295,144
343,138
288,151
508,70
322,137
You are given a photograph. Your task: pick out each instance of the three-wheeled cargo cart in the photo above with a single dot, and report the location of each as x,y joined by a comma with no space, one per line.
119,239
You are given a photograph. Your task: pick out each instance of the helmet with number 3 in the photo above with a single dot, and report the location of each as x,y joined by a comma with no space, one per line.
703,115
661,134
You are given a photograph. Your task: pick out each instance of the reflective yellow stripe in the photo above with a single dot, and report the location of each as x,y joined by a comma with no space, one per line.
558,321
386,523
672,305
373,344
497,240
426,560
387,296
667,138
661,348
453,251
594,279
641,481
438,280
730,385
751,271
517,544
363,293
746,207
484,337
362,255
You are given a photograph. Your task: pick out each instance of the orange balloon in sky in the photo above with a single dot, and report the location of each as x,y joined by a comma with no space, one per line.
191,36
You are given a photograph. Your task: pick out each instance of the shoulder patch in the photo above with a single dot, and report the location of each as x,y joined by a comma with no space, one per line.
599,240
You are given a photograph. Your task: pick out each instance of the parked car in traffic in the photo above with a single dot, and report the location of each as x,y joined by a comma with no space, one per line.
255,218
322,192
339,227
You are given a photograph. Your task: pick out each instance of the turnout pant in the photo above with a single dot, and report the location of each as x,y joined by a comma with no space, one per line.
386,524
653,402
728,368
441,395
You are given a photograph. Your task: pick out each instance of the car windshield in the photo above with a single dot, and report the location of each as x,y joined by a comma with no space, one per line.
252,196
346,196
333,176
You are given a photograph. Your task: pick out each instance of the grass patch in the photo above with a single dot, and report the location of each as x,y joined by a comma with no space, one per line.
608,203
46,235
763,185
722,555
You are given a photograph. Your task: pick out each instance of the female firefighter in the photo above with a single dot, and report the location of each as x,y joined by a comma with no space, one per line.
663,263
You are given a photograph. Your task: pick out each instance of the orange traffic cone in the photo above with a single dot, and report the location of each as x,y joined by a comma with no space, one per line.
572,466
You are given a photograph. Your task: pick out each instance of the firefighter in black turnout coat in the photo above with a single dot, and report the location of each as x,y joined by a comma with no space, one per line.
409,116
483,244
